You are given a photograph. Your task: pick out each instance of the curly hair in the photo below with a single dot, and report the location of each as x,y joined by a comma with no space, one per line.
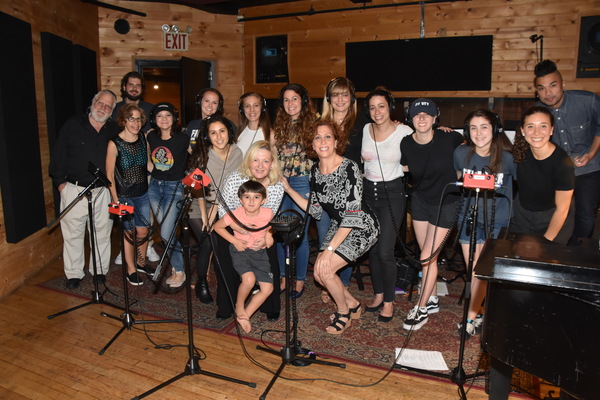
521,146
338,134
263,122
127,111
287,130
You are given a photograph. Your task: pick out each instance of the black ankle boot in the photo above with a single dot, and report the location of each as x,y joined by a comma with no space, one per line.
202,291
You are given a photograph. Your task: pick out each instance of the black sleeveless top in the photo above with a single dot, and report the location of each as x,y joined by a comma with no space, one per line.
131,169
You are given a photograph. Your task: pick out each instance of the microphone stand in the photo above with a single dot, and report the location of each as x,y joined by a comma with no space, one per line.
291,230
458,375
97,296
126,318
192,366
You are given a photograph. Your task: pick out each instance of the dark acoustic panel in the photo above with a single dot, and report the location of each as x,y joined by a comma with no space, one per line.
271,59
20,161
85,77
58,82
70,83
588,59
59,89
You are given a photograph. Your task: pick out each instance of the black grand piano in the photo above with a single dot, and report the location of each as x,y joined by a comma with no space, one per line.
543,311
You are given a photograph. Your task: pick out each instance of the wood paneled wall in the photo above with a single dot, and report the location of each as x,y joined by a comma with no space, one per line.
77,22
214,37
316,43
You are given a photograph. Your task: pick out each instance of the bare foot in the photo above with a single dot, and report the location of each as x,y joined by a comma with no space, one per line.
244,323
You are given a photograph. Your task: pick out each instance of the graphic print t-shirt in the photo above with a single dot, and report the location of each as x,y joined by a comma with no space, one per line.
168,156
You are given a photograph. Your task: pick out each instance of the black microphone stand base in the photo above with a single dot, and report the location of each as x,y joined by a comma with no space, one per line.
97,296
126,317
457,375
192,367
128,322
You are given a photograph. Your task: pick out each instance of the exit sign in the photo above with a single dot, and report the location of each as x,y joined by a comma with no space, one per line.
175,41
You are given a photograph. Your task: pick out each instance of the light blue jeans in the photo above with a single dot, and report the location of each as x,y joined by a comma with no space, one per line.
301,185
165,197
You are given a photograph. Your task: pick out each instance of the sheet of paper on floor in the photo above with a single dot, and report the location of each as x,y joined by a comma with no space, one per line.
421,359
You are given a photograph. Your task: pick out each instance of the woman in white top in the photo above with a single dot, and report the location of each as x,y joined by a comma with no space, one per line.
254,121
384,193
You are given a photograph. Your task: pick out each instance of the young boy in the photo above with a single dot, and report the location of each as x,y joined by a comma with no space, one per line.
252,265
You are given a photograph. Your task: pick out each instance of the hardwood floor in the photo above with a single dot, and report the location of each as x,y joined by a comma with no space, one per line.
58,359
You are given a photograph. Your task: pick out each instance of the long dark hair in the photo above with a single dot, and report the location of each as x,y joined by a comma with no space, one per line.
521,146
199,156
286,130
263,122
499,143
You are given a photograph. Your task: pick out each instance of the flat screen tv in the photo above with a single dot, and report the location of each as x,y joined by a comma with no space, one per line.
430,64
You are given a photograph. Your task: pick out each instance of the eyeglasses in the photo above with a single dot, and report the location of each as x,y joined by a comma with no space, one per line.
132,119
101,105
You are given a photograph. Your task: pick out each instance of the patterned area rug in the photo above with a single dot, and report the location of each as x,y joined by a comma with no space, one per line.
367,341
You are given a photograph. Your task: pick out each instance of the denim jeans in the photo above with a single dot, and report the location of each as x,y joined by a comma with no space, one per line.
301,185
141,212
165,200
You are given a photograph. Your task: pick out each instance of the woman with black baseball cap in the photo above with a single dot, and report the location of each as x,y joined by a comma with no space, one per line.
428,155
168,147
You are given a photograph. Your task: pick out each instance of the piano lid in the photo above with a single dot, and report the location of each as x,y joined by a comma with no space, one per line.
532,260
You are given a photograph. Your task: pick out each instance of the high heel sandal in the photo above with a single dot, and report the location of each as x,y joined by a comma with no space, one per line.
373,309
383,318
339,325
355,312
325,298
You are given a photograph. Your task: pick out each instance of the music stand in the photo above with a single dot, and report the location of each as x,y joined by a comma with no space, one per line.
126,318
291,230
192,366
97,296
458,375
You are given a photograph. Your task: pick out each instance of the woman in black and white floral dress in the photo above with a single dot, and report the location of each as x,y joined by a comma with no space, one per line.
336,188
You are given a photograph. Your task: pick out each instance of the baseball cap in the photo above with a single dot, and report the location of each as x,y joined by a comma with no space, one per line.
423,105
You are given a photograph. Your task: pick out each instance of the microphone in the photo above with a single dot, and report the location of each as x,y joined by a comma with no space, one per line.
196,178
479,181
99,174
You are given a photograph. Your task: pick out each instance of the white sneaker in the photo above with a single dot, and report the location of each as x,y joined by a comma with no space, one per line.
433,305
119,259
416,318
176,280
169,280
151,254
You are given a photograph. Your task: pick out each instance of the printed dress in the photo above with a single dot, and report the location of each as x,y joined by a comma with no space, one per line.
340,194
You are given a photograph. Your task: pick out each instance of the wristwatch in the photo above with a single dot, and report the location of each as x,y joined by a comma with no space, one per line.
330,248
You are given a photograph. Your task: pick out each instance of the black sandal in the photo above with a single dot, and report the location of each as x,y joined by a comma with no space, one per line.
339,325
355,312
